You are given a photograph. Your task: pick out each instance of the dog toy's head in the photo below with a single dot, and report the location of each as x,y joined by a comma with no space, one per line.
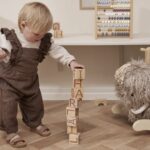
132,82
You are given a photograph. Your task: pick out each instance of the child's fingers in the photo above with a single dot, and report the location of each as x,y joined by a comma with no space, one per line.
80,66
2,54
1,57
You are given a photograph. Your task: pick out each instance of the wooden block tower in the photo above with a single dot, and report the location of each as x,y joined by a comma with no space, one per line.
72,111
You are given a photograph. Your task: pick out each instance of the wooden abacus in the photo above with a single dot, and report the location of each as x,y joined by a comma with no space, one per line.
113,18
72,111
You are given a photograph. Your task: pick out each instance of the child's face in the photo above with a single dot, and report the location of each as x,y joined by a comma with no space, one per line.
31,36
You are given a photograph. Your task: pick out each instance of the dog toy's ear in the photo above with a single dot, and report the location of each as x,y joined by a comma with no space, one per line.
120,73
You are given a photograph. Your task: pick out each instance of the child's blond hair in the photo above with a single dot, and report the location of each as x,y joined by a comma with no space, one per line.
37,16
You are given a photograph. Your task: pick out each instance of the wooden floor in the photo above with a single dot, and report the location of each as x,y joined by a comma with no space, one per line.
100,130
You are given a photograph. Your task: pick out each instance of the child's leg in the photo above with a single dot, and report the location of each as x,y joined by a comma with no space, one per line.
32,109
9,111
15,140
8,100
1,122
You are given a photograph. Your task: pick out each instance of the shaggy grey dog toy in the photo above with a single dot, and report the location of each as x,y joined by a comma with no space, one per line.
132,83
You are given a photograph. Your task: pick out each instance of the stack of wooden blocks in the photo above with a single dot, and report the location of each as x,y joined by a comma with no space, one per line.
72,111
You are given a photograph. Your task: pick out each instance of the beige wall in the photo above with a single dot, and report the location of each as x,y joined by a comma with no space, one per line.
74,20
100,62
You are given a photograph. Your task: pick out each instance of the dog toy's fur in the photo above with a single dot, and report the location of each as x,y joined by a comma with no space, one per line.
132,82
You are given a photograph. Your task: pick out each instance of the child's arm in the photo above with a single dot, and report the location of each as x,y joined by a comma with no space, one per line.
5,48
63,56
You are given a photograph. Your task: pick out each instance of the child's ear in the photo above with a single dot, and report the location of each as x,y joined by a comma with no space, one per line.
22,25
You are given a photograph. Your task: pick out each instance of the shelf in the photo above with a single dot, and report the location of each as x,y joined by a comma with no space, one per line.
88,40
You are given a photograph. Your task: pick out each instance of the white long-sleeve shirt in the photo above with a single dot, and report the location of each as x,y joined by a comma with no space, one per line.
57,52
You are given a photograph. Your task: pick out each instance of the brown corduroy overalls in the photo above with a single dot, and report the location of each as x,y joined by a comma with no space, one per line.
19,84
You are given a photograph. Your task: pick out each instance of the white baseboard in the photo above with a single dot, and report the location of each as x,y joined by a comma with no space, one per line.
89,93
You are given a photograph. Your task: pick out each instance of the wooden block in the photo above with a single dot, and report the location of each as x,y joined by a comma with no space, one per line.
72,130
73,103
77,94
74,138
77,83
79,73
56,26
58,34
72,121
72,112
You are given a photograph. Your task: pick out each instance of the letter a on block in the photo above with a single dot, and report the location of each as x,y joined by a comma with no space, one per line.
78,94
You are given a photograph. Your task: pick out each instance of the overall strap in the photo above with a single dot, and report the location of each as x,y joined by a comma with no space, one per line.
44,46
16,45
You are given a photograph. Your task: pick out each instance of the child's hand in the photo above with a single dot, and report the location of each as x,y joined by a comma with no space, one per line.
3,54
75,64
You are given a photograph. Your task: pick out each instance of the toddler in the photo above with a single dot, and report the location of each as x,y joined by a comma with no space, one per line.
21,51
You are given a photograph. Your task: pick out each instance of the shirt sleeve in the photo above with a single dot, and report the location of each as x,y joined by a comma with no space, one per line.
61,54
5,44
